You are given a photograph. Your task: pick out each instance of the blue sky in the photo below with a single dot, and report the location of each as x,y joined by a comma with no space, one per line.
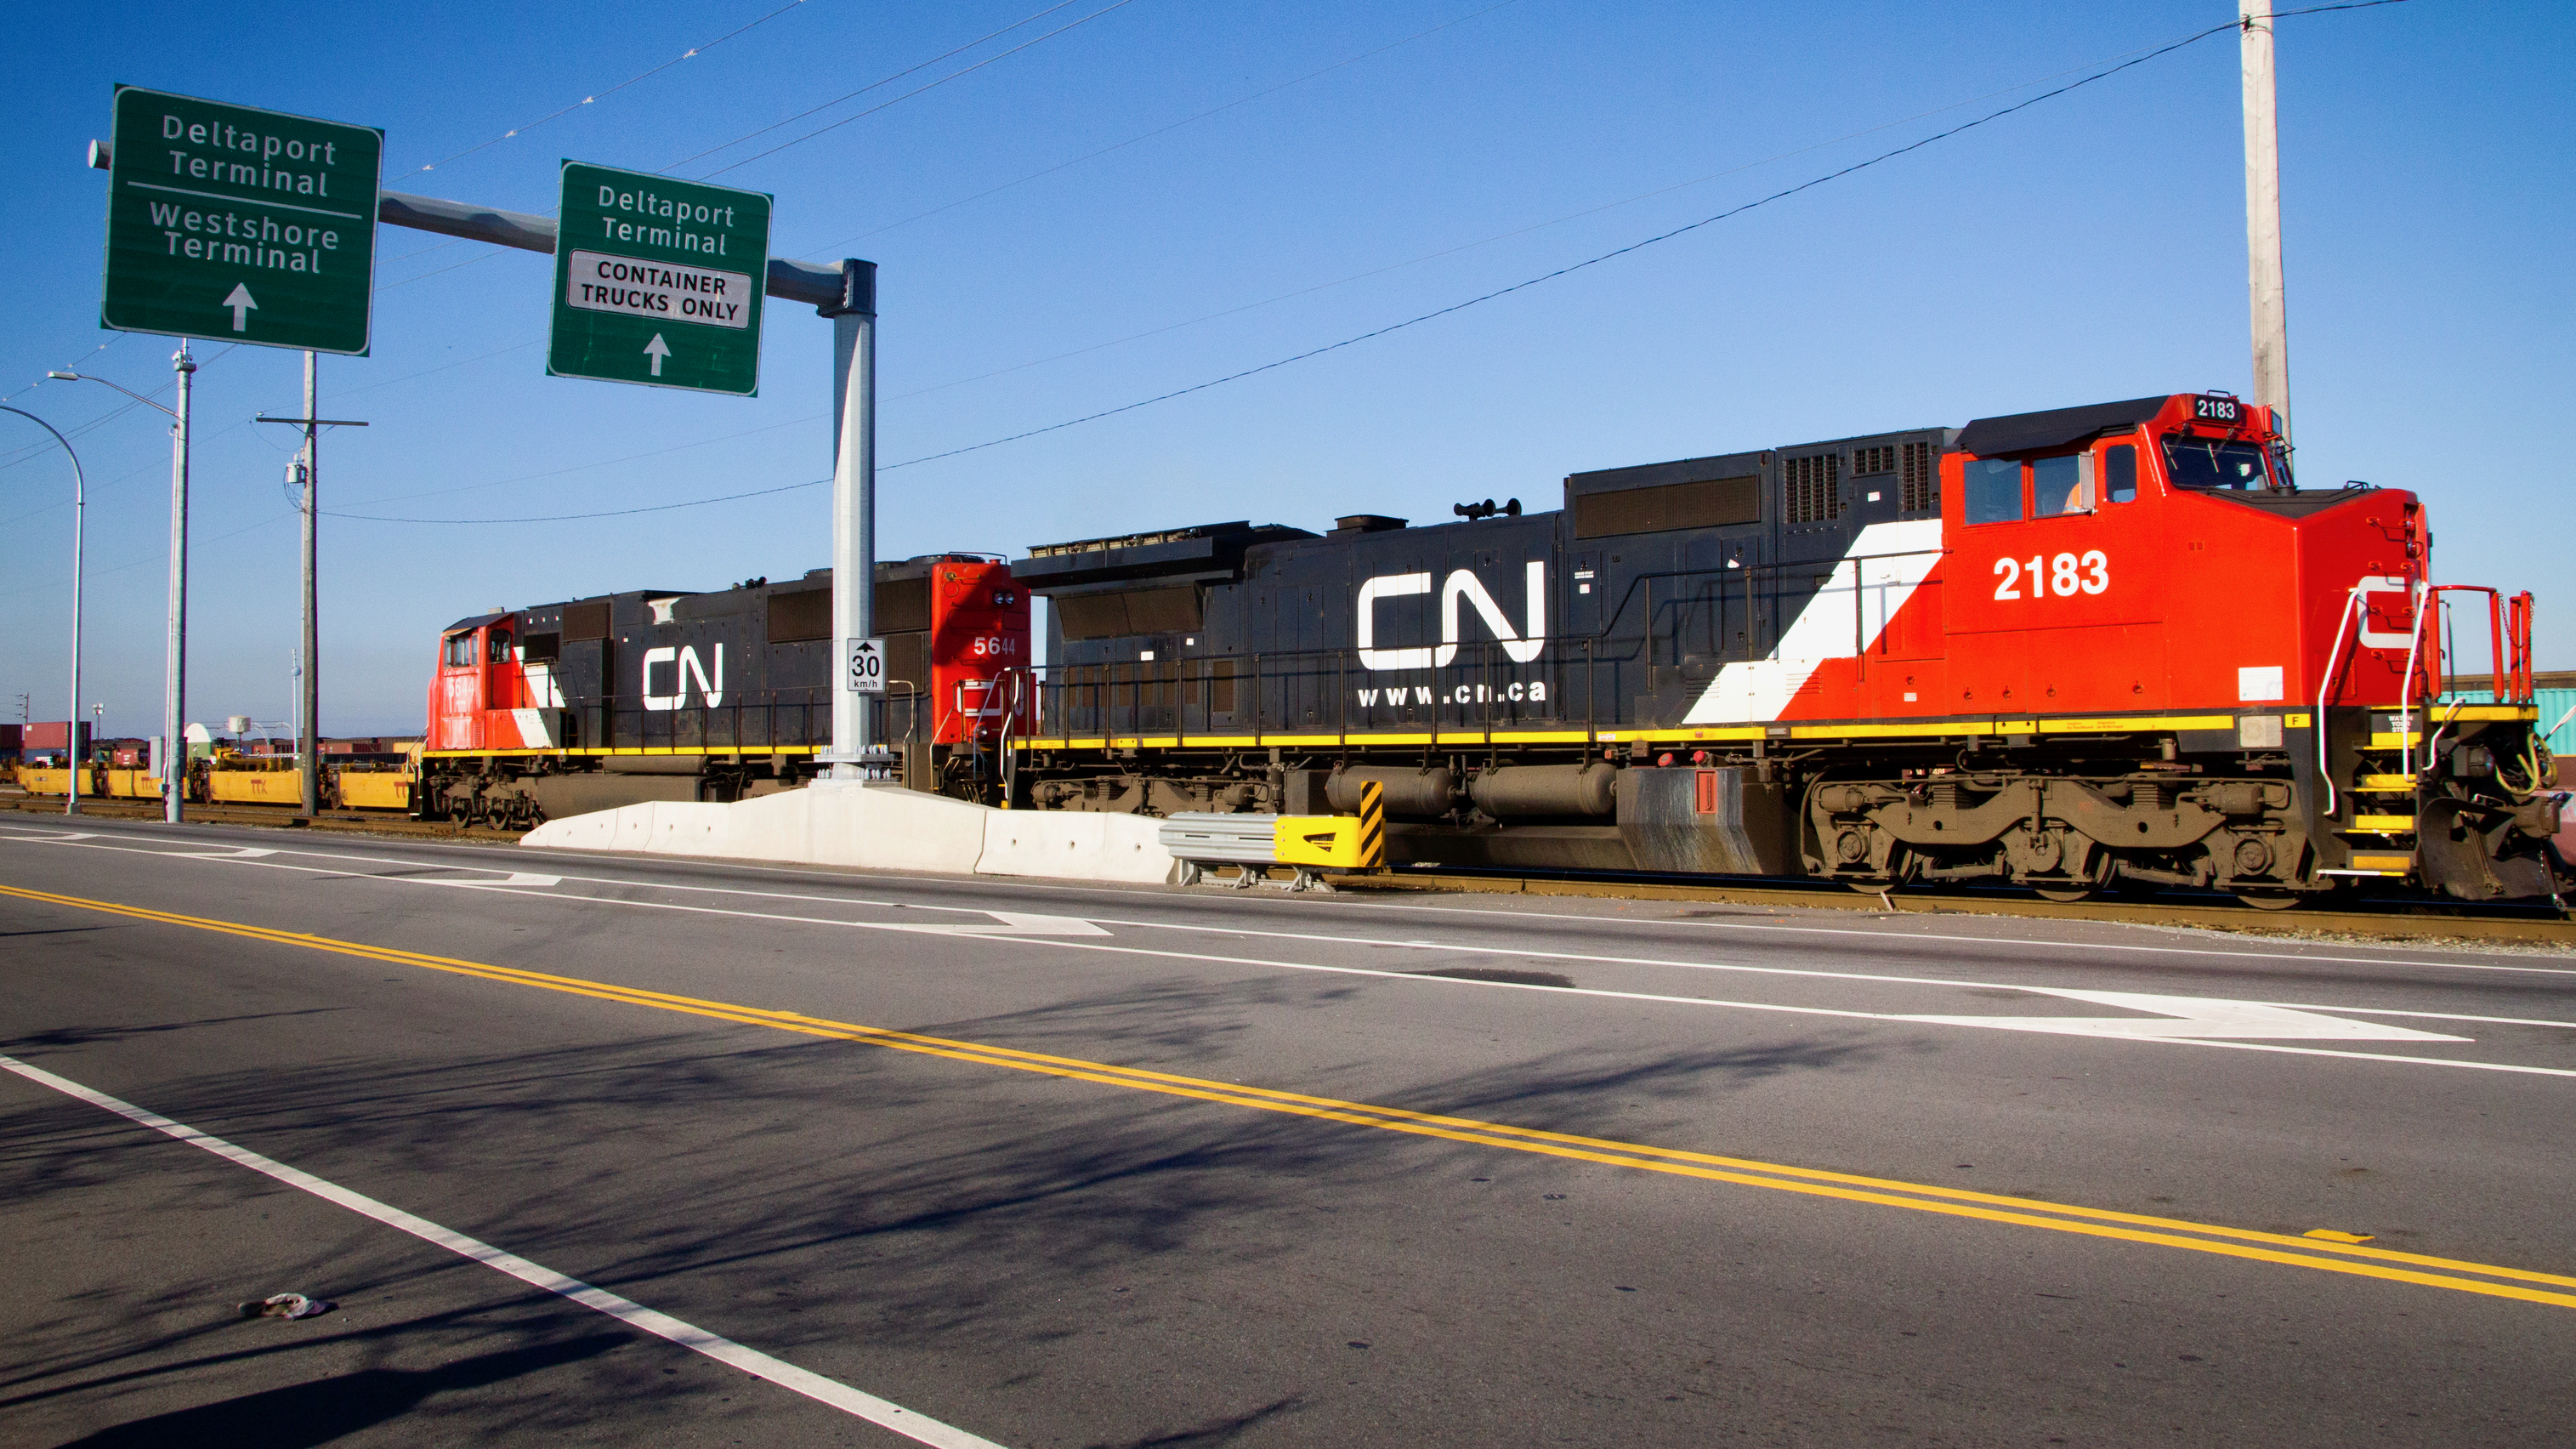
2089,248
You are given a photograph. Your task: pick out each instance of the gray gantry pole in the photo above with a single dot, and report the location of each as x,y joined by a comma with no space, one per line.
854,514
71,730
2263,214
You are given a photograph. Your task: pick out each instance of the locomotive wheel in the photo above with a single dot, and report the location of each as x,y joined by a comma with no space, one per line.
2065,895
2272,902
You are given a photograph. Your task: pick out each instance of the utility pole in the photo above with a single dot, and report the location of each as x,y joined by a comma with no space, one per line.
308,735
174,713
2263,215
308,467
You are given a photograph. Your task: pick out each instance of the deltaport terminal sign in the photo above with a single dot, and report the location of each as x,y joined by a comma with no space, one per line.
239,224
658,281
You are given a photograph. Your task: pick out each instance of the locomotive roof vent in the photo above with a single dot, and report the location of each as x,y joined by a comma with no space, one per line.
1353,524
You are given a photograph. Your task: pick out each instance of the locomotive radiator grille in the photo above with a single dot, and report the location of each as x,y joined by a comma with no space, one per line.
1813,487
1921,485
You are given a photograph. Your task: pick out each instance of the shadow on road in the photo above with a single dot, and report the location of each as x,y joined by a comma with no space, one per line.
302,1415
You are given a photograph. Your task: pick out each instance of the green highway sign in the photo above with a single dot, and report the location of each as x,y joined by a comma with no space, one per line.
240,225
658,281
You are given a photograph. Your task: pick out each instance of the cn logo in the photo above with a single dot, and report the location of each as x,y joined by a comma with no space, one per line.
1462,584
685,666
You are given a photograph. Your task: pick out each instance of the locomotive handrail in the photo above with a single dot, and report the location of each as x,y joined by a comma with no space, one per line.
2325,685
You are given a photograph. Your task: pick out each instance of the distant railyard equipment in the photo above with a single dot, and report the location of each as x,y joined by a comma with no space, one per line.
2062,650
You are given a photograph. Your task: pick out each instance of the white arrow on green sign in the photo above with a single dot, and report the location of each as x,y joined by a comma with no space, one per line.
234,222
658,281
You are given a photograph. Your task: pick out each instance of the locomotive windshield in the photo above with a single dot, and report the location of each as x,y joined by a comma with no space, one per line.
2213,463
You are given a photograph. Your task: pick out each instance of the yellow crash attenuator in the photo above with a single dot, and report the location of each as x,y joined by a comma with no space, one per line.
1346,842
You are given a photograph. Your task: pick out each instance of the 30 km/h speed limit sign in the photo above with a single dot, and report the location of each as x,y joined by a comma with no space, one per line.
866,673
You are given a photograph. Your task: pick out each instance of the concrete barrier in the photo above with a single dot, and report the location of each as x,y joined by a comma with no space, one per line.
1073,844
879,827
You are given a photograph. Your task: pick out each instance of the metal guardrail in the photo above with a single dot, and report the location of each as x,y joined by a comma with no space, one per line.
1229,839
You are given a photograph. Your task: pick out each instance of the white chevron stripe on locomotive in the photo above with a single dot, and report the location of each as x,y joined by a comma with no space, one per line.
1884,565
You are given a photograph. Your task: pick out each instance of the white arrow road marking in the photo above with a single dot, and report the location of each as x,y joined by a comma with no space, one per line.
2202,1017
657,349
243,306
1013,923
526,878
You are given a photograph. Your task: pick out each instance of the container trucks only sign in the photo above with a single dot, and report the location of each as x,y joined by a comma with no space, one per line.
240,225
658,281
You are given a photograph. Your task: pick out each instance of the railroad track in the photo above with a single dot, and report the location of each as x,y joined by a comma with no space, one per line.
2393,920
2387,920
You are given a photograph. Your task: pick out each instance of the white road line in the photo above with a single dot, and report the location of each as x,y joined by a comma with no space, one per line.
884,1413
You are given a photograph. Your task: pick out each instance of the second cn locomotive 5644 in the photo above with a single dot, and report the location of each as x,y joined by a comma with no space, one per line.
2060,649
663,694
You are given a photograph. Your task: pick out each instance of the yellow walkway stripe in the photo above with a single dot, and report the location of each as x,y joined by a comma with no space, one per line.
2246,1243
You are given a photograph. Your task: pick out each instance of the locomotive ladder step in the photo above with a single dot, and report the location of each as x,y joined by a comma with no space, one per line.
2383,824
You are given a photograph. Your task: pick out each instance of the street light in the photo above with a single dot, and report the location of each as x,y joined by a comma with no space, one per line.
71,802
174,772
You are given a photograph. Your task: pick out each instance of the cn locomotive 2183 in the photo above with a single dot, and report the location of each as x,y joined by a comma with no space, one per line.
2060,649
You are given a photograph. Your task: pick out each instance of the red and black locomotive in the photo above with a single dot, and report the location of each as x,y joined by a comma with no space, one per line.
2059,649
660,694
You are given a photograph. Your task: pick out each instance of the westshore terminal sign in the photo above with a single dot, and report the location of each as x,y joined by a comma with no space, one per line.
240,224
658,281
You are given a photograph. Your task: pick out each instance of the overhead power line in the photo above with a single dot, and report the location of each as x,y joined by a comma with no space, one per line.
1810,184
1174,126
1518,231
570,517
612,90
1570,269
917,90
863,90
800,115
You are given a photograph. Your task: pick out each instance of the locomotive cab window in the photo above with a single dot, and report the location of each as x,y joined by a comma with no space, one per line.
2061,485
460,650
500,650
1994,490
2120,472
2213,463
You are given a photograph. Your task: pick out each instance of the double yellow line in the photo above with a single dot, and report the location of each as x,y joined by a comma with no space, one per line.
2357,1259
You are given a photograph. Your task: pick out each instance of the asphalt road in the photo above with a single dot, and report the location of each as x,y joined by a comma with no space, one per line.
598,1150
